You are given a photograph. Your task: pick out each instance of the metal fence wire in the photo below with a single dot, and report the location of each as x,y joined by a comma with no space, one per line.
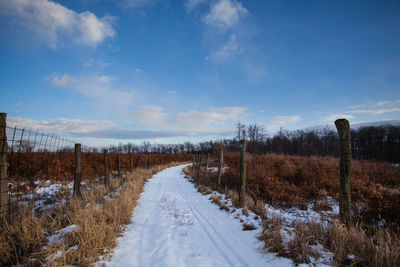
26,140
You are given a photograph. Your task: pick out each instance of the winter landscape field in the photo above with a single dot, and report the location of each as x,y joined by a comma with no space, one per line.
199,133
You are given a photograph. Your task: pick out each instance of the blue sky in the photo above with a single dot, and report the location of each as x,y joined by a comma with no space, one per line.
105,71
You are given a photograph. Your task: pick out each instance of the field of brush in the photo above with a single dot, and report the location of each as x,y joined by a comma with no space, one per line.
47,225
297,197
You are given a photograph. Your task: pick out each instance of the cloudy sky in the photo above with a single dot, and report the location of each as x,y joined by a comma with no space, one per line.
171,71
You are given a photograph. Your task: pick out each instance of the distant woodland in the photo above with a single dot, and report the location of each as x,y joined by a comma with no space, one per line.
380,143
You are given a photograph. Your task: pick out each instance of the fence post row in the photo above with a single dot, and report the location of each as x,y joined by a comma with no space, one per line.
242,172
220,166
343,128
3,167
106,167
78,171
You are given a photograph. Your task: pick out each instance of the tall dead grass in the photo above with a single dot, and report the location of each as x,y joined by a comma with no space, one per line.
287,181
99,217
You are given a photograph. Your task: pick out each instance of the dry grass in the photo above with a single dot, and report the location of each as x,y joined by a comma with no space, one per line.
100,217
305,237
21,239
380,248
217,200
350,247
271,235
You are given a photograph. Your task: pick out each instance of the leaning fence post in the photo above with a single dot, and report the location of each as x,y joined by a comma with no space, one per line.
106,167
78,171
221,164
242,172
343,128
3,167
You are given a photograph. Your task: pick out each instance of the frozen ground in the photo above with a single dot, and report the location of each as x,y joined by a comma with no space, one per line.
174,225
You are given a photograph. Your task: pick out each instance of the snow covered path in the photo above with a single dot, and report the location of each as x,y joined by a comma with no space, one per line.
174,225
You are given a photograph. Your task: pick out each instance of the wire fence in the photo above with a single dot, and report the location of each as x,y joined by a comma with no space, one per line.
27,140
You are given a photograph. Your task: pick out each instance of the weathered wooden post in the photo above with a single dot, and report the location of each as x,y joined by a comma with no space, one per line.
198,166
343,128
3,167
138,163
220,166
145,162
78,171
106,176
207,159
119,165
242,172
131,164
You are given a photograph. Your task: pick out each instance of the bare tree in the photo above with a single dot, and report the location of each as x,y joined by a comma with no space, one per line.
255,133
240,131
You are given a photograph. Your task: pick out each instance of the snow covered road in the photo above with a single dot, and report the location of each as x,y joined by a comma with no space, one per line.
174,225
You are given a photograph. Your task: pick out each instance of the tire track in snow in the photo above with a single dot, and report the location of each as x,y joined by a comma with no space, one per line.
196,212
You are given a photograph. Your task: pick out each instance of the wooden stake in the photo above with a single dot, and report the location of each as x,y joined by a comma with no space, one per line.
242,172
343,128
78,171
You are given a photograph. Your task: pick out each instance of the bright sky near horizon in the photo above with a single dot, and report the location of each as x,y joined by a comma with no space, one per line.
168,71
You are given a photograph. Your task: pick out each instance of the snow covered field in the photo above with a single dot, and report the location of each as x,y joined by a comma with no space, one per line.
174,225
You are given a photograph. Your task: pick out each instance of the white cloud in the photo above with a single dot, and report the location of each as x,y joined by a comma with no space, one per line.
375,111
382,103
155,117
357,106
58,80
281,120
192,4
52,22
225,14
62,125
95,63
227,51
334,117
96,87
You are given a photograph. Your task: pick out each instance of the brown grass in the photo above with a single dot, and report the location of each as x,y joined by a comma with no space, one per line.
380,248
100,221
271,235
293,181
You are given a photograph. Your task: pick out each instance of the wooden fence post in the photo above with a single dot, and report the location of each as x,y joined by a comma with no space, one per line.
138,164
207,159
106,167
119,165
78,171
198,166
3,167
220,166
242,172
131,164
343,128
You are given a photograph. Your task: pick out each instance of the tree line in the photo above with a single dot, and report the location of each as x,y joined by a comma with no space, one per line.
381,143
